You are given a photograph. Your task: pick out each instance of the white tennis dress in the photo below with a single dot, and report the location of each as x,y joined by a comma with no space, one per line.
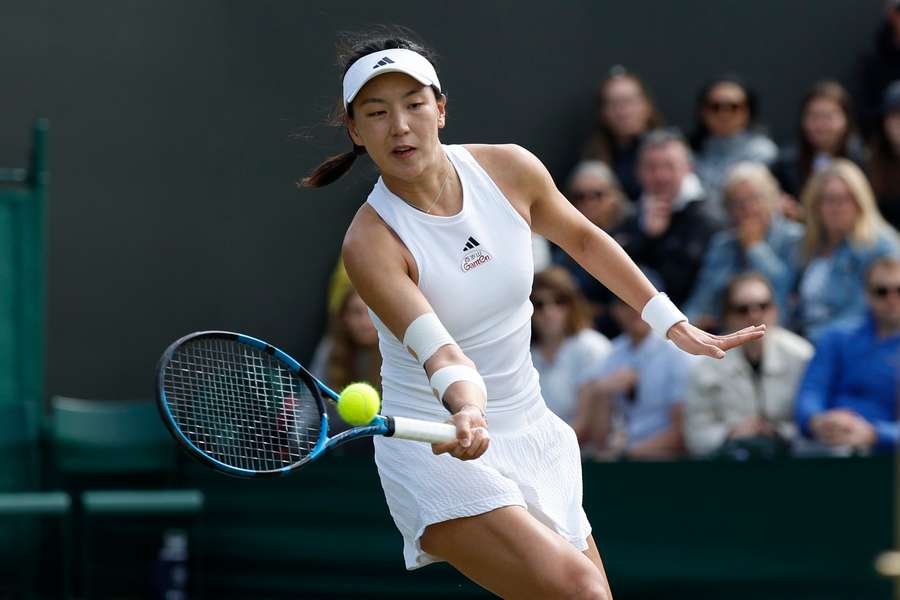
476,270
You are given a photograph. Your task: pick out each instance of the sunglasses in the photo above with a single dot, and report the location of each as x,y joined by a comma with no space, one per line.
746,309
719,107
542,303
578,196
883,291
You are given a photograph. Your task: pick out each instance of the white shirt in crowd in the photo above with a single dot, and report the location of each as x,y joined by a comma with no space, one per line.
578,356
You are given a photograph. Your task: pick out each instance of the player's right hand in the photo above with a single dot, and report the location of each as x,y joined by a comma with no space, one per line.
472,437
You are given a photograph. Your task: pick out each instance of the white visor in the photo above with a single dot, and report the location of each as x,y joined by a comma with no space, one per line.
396,60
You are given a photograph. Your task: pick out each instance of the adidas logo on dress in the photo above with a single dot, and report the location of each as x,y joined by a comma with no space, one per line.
473,255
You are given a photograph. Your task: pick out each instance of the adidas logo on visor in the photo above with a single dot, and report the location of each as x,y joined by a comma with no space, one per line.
382,62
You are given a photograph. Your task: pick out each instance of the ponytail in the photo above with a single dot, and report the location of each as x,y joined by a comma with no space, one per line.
332,168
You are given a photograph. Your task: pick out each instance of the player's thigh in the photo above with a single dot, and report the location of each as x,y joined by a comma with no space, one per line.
512,554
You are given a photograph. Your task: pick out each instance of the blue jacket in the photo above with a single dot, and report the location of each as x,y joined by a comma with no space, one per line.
855,369
725,258
845,295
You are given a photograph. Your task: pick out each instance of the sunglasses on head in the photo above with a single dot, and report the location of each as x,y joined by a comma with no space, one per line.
719,107
882,291
579,195
747,308
541,303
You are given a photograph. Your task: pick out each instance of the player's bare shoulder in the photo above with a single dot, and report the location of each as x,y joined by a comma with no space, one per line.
509,160
517,172
370,245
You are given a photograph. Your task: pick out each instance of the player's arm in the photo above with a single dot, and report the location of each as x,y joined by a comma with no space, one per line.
380,268
534,194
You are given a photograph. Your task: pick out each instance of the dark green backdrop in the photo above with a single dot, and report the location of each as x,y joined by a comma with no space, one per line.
178,129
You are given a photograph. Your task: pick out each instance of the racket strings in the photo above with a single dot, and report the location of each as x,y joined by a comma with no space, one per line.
240,405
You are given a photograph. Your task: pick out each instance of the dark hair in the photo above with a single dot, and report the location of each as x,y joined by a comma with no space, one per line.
352,47
826,90
700,131
602,143
883,160
739,280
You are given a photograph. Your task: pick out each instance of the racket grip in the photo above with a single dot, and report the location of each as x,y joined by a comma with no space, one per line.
422,431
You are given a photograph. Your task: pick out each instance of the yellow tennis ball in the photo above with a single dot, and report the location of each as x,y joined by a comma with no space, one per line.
358,403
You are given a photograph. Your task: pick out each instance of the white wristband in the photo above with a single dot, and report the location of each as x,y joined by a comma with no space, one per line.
446,376
424,336
661,313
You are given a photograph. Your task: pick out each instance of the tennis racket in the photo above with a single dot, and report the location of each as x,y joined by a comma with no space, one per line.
244,407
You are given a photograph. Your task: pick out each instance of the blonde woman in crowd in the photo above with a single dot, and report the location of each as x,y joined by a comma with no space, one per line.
844,233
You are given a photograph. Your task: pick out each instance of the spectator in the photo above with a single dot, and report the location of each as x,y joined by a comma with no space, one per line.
745,402
844,233
826,131
564,347
727,134
672,228
349,350
636,394
760,240
594,190
848,397
625,112
882,66
884,159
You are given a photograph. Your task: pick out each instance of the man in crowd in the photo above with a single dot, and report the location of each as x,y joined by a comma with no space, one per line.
637,394
744,404
849,395
673,225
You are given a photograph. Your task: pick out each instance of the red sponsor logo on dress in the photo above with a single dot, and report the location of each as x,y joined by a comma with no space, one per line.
474,259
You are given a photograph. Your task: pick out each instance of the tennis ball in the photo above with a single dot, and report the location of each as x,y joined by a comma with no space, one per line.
358,403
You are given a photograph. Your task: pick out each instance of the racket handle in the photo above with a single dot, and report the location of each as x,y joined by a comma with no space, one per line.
422,431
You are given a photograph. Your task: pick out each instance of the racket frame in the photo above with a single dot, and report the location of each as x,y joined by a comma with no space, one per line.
411,429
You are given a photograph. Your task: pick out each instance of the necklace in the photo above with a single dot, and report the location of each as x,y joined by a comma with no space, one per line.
439,194
441,191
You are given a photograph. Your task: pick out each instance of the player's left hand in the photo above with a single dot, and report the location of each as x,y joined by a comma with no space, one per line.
696,341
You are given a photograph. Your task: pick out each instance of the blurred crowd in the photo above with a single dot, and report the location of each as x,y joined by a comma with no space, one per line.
737,230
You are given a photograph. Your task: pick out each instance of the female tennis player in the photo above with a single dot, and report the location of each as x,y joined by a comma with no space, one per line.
441,254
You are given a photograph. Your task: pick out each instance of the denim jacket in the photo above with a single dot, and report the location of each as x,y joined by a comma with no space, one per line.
845,294
725,258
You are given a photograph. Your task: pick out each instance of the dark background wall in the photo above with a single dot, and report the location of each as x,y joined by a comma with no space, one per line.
178,129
